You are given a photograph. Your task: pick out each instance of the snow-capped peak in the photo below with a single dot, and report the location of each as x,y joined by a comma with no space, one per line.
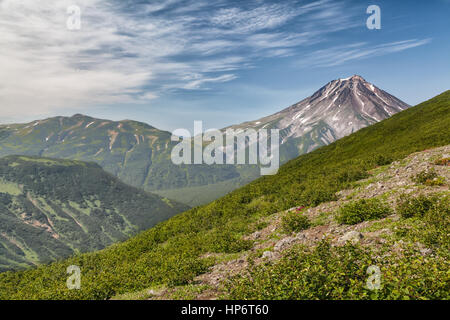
339,108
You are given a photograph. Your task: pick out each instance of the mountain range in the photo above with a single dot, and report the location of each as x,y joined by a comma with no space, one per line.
135,152
139,154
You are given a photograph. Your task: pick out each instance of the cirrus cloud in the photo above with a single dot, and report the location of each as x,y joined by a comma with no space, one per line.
135,51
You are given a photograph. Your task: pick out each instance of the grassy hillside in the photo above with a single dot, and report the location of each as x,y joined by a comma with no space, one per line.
397,220
174,252
50,209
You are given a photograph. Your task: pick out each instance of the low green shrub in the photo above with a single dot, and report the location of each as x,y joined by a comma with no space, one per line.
316,196
429,178
439,181
324,272
433,220
350,175
362,210
224,241
437,221
409,206
425,175
295,222
382,160
340,273
261,225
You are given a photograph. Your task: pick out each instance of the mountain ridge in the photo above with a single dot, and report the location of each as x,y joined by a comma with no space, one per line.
137,153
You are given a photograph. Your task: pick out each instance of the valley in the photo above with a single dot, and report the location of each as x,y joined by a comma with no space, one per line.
51,209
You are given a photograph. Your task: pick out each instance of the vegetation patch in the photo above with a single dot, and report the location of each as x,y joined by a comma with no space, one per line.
363,210
429,178
295,221
428,220
10,188
336,273
410,206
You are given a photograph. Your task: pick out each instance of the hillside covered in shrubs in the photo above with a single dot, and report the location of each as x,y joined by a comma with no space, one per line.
51,209
175,252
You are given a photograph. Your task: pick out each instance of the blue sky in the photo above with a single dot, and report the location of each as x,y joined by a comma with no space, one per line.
171,62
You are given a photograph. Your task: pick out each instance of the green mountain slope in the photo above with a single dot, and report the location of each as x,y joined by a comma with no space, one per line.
135,152
50,209
175,251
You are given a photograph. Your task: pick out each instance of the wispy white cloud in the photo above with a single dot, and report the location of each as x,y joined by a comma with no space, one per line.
200,81
242,20
341,54
133,51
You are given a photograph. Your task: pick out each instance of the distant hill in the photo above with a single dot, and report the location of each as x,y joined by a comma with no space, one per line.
178,250
139,154
51,209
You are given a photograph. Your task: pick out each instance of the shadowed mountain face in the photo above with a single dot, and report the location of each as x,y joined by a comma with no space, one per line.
50,209
139,154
